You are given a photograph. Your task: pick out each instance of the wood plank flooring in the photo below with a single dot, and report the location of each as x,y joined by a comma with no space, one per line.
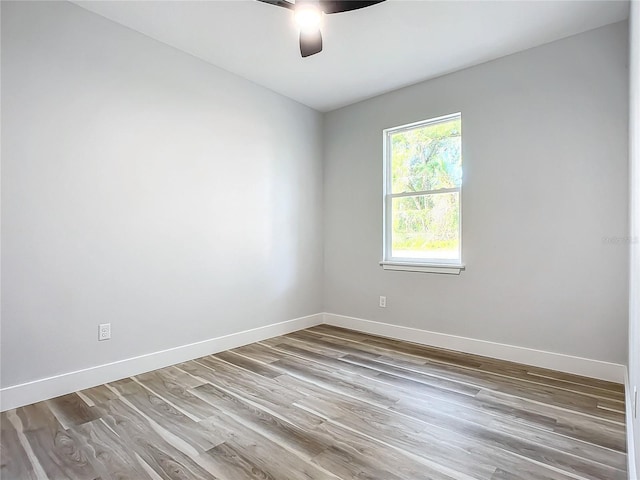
326,403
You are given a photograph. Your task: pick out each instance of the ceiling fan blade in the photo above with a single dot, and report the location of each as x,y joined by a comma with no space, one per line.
310,43
279,3
337,6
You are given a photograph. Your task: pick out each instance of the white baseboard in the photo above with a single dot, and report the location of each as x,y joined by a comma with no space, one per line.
555,361
631,449
43,389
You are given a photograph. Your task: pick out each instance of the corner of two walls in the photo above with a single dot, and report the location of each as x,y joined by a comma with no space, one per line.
114,157
633,410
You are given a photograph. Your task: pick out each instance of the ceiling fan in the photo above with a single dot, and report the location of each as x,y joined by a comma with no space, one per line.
308,16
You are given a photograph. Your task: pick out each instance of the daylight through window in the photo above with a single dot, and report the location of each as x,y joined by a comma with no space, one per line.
423,181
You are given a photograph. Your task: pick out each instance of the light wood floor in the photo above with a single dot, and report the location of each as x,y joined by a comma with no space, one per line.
326,403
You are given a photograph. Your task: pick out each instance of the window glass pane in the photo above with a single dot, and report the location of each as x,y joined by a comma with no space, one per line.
427,158
426,226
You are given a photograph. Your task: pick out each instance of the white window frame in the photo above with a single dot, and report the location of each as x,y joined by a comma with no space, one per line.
425,265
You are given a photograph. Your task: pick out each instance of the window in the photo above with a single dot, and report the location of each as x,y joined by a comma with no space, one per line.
422,188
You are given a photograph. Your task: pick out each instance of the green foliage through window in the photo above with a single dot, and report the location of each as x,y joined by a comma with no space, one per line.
425,178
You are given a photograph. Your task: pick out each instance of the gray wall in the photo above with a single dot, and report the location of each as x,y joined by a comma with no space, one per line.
544,202
143,187
634,216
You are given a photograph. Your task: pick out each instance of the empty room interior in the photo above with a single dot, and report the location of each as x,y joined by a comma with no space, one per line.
320,239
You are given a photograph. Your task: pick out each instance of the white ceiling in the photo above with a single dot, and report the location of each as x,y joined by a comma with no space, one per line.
366,52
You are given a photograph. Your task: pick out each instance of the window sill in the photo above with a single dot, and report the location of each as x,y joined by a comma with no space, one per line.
442,268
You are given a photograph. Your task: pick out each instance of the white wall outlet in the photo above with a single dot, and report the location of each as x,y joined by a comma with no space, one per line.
383,301
104,331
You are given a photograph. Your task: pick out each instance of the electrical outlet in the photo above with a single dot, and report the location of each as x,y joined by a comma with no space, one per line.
383,301
104,331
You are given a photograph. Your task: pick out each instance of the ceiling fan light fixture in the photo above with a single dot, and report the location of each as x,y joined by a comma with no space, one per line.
308,17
